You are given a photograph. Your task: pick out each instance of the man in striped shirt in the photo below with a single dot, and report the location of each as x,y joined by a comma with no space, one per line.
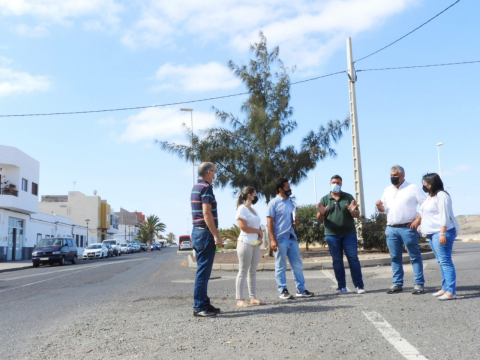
205,237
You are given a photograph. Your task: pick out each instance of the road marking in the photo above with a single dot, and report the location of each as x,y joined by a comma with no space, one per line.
191,281
407,350
71,273
329,275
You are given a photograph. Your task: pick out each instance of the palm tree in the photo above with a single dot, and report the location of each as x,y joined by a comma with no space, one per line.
152,226
231,234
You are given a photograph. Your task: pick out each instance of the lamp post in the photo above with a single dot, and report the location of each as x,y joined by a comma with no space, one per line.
439,166
87,221
193,158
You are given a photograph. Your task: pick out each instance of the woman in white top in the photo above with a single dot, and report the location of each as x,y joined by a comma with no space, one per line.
441,227
248,246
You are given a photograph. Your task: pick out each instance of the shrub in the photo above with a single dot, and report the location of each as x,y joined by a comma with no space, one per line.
372,232
309,230
230,246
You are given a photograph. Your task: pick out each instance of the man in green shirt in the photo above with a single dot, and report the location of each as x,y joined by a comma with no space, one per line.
337,210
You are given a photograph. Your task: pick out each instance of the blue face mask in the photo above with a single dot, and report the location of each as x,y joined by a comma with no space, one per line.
335,188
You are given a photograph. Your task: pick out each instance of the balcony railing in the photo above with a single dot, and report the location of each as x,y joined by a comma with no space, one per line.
8,191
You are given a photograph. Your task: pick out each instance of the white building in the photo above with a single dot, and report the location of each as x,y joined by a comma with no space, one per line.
21,225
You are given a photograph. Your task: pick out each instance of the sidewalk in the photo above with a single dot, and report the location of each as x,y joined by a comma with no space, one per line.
15,265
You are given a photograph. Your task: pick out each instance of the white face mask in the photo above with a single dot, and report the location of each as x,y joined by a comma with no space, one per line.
335,188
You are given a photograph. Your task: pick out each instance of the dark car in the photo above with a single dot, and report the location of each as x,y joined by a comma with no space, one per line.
110,251
54,250
155,247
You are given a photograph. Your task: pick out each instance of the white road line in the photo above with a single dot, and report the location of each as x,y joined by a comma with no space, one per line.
407,350
329,275
71,273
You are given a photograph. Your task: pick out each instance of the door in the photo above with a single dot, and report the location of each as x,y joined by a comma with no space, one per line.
15,239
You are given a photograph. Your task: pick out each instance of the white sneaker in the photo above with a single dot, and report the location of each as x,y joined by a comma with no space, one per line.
341,291
360,290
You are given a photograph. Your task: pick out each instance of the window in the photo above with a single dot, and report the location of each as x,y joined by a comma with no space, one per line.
34,189
76,238
70,242
24,184
81,240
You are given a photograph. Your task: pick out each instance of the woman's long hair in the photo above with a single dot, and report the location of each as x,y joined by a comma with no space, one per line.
436,183
244,194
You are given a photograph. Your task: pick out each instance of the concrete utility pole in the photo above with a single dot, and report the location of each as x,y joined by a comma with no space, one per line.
357,163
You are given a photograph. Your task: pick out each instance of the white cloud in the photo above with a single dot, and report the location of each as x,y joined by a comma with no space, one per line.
60,11
307,31
13,82
463,167
32,31
200,77
163,124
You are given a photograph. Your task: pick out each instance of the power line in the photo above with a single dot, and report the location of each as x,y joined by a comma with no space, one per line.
159,105
404,36
420,66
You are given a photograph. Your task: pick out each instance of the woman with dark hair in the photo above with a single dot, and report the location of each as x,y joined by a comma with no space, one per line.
248,246
441,227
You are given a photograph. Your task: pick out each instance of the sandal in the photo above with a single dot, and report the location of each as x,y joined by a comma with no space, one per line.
242,304
256,302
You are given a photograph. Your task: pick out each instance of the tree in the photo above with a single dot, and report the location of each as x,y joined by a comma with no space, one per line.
309,230
230,234
152,226
170,237
251,152
372,232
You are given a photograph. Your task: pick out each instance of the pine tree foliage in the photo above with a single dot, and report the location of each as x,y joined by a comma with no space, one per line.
249,152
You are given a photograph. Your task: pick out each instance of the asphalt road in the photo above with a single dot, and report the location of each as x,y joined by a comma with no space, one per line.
140,306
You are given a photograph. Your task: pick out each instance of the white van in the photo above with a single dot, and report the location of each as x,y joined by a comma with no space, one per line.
115,244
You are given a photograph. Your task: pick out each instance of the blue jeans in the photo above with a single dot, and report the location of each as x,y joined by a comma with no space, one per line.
288,248
396,237
204,245
443,253
348,244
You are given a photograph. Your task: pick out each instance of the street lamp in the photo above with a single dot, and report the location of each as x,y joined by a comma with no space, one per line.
193,158
439,167
87,221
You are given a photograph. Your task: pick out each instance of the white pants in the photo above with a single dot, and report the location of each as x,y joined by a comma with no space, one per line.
248,258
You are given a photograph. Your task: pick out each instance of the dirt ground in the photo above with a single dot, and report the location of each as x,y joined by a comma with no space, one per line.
470,226
313,255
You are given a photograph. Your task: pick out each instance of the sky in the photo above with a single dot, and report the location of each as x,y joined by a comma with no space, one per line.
62,56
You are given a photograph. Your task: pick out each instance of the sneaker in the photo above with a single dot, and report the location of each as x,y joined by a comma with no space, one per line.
394,289
285,295
213,309
360,290
204,313
341,291
418,289
304,294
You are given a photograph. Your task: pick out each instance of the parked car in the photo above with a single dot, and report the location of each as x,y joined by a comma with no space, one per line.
115,244
135,245
155,246
95,251
184,242
110,251
143,246
54,250
124,248
131,248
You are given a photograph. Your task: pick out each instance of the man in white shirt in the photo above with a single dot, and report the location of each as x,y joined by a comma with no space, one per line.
400,202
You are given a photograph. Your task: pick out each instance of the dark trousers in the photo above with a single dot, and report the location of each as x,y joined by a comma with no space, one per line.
348,244
204,245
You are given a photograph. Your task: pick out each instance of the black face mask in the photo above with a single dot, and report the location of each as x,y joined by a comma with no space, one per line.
255,199
425,189
288,193
395,180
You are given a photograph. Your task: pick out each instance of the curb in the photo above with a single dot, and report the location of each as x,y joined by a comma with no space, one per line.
316,265
16,268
